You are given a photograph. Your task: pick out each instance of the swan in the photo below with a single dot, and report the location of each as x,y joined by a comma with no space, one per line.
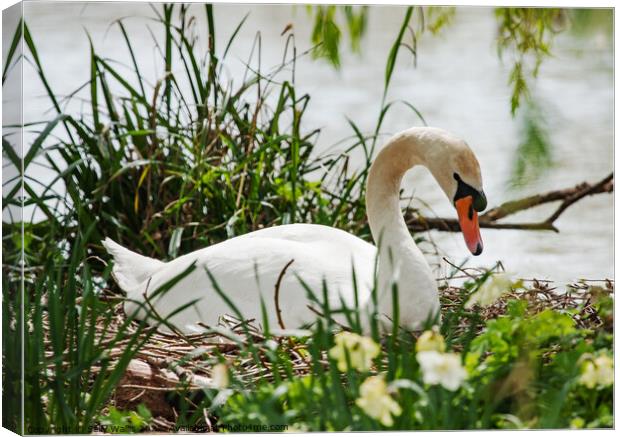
248,267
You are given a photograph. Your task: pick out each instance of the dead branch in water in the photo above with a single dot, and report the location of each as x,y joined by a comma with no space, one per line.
489,219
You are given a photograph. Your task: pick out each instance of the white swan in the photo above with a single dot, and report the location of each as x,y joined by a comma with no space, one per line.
248,266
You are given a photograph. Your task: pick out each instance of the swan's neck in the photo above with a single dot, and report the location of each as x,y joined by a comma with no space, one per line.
400,260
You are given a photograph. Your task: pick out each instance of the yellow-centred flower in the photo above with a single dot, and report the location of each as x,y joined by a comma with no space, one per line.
443,368
376,401
361,351
597,372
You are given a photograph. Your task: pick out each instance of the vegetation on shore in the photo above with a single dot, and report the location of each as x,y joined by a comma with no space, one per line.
188,161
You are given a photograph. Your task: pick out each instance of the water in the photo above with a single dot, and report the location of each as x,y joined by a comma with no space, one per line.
459,84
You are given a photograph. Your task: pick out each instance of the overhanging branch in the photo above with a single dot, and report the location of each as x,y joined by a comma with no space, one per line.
489,219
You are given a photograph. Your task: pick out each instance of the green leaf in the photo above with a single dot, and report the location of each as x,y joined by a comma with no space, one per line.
17,37
393,55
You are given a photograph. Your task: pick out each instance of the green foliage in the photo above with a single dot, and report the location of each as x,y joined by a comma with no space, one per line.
356,24
183,168
391,63
167,170
533,154
12,342
62,392
439,17
529,361
527,34
120,422
515,334
12,265
326,33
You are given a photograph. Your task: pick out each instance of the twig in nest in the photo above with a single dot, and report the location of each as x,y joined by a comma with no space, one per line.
276,296
458,268
161,319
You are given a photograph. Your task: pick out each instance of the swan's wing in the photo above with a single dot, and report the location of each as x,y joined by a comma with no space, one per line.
311,233
247,268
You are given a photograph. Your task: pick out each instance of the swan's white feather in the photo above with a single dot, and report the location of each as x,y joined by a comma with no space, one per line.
247,267
130,269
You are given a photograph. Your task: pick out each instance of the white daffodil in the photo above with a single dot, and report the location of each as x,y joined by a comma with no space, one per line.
491,290
597,372
431,341
219,375
589,375
376,402
605,367
361,351
442,368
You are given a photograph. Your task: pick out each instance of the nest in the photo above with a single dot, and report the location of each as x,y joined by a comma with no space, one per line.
169,365
577,299
172,365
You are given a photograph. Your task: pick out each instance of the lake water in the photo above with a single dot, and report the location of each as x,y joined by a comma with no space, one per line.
459,84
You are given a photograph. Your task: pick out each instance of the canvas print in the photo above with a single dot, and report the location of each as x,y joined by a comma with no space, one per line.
303,218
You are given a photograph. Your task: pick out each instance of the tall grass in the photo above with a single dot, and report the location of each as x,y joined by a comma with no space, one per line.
163,168
167,169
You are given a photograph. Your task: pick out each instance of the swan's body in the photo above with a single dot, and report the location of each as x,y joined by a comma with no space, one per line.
248,267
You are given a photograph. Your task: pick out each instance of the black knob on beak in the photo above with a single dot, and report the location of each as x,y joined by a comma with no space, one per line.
480,201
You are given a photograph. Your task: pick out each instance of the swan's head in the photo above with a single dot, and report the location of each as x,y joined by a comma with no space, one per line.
456,168
451,162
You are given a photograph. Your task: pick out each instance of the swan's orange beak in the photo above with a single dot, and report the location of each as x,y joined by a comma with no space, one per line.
468,219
